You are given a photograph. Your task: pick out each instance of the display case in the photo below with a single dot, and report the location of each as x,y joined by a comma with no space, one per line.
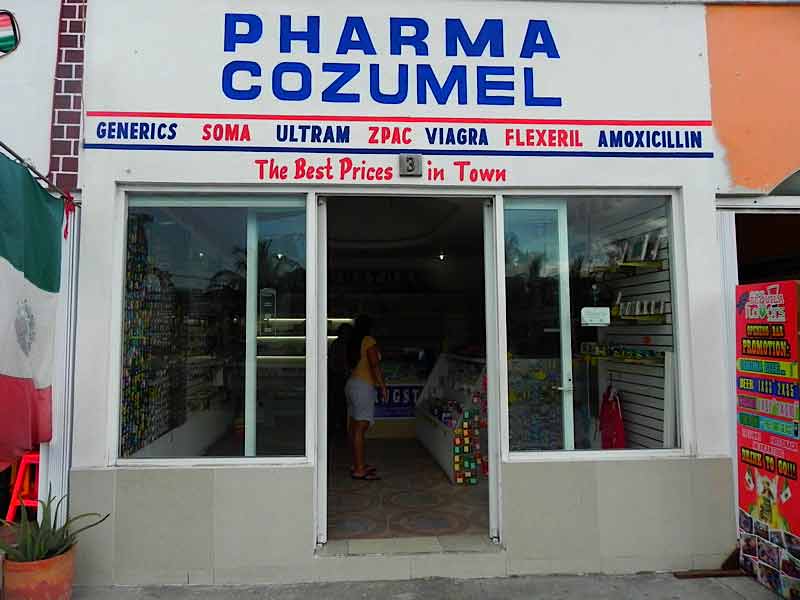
281,359
451,418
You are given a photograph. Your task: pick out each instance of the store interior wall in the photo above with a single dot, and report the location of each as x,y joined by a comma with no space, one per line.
766,246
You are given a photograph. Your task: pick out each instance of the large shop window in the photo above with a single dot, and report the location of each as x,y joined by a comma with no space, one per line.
203,283
589,324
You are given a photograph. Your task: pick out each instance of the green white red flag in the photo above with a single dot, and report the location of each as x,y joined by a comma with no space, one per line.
30,278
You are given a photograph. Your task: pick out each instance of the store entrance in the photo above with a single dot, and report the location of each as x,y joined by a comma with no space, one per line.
415,267
766,248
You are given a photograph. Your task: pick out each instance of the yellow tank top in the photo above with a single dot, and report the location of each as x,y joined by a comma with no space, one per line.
362,370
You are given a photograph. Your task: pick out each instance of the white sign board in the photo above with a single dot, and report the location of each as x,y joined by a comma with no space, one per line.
595,316
335,92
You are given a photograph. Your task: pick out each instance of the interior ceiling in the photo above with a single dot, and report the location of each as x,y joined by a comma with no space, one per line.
418,226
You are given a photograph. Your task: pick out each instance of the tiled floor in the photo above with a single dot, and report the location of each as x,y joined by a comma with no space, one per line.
413,499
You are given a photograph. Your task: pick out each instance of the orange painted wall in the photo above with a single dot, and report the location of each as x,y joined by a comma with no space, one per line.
754,61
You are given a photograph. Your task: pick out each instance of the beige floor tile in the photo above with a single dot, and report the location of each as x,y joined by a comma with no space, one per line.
468,543
408,545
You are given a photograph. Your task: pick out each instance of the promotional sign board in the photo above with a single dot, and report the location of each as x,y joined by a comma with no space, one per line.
767,430
400,404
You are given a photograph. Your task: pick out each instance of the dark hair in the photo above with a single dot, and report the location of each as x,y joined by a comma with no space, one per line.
345,330
361,329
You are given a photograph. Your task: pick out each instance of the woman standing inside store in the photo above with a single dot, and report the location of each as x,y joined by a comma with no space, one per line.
361,391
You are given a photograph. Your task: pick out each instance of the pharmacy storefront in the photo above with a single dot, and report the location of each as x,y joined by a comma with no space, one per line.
518,195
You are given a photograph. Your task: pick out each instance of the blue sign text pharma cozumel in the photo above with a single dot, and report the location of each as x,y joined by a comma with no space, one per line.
354,44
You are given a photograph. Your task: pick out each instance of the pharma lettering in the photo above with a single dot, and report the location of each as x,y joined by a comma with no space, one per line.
766,348
432,81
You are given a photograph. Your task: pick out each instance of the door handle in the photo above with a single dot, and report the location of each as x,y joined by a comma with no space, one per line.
565,388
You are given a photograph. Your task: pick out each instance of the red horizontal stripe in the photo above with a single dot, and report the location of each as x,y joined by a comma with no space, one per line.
26,416
380,119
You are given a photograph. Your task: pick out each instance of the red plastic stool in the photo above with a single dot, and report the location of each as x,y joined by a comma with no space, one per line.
25,494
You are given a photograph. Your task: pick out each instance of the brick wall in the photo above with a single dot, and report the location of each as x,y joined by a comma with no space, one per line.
65,133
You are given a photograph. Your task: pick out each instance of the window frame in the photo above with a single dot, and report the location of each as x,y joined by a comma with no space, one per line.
251,194
679,290
254,201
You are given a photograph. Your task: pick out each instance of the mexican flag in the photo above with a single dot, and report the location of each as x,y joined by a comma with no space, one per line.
30,277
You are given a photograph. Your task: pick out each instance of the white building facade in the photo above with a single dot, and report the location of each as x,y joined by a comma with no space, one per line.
590,124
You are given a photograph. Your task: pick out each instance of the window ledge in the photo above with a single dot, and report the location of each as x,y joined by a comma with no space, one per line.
596,455
227,462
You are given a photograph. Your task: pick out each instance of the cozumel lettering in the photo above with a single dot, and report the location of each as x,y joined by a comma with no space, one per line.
346,73
436,82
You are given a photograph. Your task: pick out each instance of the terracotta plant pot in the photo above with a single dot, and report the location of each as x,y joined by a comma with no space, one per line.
49,579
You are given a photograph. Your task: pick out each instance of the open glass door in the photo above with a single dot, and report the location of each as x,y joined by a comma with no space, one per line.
321,483
275,372
492,356
538,331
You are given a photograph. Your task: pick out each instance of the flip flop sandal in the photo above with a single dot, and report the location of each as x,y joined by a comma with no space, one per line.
367,468
368,476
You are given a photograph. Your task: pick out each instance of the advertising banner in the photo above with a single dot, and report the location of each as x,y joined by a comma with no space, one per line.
767,432
335,92
400,404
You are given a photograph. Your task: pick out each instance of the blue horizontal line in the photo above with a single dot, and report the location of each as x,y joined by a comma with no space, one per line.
426,151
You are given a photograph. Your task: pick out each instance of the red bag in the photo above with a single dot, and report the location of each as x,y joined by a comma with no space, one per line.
612,427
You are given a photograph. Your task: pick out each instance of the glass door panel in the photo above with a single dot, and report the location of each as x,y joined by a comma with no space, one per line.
538,326
275,414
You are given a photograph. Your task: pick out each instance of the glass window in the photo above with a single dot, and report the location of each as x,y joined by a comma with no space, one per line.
189,386
590,345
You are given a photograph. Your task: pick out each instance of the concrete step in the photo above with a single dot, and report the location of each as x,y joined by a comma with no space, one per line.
463,557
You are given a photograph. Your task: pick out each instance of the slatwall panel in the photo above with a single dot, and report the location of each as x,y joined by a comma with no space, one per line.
646,391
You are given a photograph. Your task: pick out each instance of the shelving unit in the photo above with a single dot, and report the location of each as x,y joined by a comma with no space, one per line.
280,368
151,373
643,318
646,384
641,264
281,365
170,378
628,361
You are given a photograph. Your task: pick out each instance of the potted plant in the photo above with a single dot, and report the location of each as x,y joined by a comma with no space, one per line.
40,557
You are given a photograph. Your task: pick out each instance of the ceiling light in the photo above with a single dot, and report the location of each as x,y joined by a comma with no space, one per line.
441,256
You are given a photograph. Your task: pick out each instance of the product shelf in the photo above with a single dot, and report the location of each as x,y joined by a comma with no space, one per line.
654,362
657,319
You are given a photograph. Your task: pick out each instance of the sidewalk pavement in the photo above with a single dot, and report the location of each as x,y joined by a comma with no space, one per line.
563,587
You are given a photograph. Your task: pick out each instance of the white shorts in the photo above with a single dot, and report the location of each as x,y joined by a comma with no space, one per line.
361,398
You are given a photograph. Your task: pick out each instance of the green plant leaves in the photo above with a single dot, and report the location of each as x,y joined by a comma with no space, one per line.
34,540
